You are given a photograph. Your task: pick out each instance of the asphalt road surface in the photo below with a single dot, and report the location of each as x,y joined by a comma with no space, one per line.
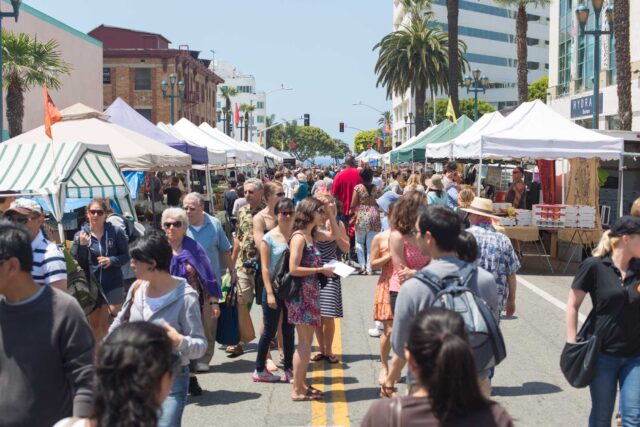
528,383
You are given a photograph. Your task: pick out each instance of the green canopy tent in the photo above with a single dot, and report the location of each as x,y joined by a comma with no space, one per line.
60,171
395,154
443,132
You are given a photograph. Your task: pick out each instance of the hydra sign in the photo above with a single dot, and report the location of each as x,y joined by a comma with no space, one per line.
584,106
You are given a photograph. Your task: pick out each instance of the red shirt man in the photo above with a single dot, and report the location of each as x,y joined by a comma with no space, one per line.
345,182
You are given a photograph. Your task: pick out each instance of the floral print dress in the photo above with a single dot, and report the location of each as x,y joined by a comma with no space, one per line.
304,309
382,301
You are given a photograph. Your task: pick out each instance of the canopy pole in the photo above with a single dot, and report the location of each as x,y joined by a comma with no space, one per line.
479,180
563,173
620,186
209,189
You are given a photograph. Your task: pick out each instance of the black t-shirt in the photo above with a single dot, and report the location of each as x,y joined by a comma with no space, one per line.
173,196
616,304
229,198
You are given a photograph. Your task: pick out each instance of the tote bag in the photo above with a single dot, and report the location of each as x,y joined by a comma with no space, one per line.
228,330
578,360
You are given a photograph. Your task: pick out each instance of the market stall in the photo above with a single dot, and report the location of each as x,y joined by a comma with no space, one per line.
370,157
216,133
58,171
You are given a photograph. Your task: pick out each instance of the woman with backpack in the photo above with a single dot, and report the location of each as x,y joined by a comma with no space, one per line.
101,250
367,217
134,369
272,249
171,302
330,238
305,265
611,278
440,358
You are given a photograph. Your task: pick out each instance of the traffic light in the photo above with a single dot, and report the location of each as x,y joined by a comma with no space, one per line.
341,127
306,119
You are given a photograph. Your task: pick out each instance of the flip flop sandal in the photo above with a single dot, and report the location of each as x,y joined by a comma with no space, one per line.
308,396
318,357
332,359
237,352
314,391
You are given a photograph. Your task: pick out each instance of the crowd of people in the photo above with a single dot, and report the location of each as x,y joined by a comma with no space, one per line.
132,358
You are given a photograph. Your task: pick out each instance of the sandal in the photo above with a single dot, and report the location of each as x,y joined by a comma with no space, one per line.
332,359
311,389
237,351
386,391
318,357
308,396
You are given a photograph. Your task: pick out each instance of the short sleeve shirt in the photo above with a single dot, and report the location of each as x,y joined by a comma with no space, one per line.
244,234
213,239
616,303
48,261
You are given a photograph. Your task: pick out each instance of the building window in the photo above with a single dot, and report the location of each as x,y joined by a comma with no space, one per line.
613,70
143,79
260,119
565,48
245,89
218,105
106,76
260,105
613,122
145,112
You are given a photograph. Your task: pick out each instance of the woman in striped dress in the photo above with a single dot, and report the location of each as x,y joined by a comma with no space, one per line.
328,240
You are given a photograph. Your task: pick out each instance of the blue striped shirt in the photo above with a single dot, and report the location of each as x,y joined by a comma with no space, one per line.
48,261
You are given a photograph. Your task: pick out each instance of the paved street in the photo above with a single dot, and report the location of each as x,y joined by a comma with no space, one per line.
529,382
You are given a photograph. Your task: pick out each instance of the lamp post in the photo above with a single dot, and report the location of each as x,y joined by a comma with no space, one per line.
222,117
582,14
409,122
15,4
476,83
172,95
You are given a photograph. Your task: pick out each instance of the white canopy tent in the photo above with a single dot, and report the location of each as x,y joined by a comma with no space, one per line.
217,133
63,170
282,154
216,157
368,155
132,150
444,150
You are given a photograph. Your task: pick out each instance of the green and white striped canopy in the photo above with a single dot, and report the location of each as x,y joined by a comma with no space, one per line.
60,171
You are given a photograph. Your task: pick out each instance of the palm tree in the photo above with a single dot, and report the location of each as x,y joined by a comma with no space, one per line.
385,118
269,121
247,109
415,8
227,93
415,58
28,63
521,42
453,9
623,62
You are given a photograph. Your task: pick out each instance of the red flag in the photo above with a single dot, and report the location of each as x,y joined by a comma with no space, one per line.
378,140
51,113
237,116
387,128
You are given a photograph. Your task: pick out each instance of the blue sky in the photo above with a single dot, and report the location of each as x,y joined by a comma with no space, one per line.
320,48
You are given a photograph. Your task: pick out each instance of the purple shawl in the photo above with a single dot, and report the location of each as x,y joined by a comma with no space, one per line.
193,253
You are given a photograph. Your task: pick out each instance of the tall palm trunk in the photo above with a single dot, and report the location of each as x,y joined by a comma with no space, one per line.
246,126
420,97
228,118
454,64
15,105
623,62
521,40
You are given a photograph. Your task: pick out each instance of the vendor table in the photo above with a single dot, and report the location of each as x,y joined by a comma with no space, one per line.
526,234
579,236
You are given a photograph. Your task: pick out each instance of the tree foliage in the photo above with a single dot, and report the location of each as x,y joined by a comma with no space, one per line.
362,140
28,63
466,108
306,142
538,89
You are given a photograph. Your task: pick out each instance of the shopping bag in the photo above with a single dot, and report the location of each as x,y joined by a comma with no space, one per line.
228,330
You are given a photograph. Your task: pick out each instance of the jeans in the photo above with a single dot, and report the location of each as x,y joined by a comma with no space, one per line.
173,406
611,371
270,317
363,238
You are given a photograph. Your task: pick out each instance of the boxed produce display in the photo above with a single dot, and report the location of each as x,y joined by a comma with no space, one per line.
501,207
524,217
550,216
580,216
507,221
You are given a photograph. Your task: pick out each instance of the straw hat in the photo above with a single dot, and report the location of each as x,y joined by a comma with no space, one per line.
435,182
482,207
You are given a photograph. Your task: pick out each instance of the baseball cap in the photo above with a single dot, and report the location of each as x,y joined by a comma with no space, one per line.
386,200
25,206
625,226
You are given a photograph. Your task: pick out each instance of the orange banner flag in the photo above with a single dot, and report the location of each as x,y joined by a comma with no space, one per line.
51,113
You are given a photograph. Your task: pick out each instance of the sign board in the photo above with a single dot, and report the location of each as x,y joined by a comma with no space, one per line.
494,175
584,106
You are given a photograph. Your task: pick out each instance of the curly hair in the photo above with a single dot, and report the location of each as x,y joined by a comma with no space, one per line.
406,211
305,212
129,369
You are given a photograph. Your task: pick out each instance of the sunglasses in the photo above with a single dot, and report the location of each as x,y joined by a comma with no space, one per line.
175,224
96,212
287,213
281,194
22,219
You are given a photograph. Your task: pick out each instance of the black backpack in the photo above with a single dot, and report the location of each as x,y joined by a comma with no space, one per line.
453,293
285,286
130,228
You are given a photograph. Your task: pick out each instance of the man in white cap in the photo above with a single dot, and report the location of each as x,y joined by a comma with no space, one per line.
49,266
496,254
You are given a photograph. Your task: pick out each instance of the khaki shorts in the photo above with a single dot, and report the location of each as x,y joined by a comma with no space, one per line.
246,286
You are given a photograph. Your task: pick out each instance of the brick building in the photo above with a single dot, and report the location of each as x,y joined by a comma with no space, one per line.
136,62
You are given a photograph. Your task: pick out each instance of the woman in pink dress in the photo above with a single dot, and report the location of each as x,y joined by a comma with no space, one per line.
407,260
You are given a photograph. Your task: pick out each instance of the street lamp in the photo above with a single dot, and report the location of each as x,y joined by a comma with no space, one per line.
222,116
476,83
172,95
408,120
15,4
582,14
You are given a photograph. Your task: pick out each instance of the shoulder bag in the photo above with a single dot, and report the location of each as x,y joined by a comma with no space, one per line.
228,329
578,360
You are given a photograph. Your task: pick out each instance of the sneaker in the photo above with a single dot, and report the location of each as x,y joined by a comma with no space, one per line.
288,374
202,367
265,377
194,387
374,332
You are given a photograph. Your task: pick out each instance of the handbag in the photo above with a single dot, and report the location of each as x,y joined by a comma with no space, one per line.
578,360
228,329
80,285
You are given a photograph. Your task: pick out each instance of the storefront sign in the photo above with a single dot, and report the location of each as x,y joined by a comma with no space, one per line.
584,106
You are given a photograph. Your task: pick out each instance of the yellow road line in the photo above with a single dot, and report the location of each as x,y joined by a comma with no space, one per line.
318,407
338,396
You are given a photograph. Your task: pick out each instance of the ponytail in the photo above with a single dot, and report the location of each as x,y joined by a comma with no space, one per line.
467,247
605,245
